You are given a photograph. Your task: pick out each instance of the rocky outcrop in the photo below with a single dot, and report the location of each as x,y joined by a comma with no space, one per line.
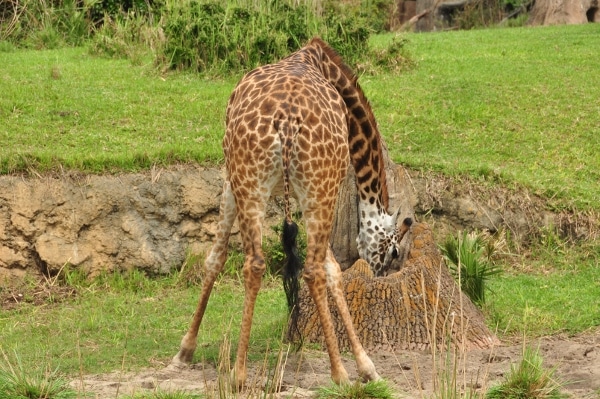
557,12
111,222
410,309
151,220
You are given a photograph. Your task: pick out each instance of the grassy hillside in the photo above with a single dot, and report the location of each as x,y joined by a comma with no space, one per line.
517,105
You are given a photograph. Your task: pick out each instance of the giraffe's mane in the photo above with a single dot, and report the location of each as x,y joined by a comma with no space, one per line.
351,75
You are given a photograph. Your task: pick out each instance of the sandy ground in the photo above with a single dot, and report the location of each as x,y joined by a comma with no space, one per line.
576,359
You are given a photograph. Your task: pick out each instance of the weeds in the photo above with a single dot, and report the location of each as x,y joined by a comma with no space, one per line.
372,389
528,380
135,37
19,382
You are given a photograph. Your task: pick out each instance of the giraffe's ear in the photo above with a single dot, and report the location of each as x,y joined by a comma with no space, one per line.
395,217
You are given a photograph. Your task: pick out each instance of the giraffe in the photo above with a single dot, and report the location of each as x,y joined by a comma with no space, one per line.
294,126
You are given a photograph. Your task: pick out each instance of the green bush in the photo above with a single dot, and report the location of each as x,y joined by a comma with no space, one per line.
373,14
100,9
469,257
44,24
211,36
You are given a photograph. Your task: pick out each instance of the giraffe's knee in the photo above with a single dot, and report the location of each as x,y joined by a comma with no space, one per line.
315,278
255,266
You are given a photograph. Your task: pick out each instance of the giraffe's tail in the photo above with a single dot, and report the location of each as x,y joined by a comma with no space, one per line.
293,265
291,270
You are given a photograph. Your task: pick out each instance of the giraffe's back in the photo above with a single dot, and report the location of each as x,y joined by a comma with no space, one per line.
289,103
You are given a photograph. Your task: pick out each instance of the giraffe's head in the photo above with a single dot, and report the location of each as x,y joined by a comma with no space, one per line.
378,240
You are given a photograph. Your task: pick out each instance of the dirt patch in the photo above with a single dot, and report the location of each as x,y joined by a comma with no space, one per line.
577,360
32,290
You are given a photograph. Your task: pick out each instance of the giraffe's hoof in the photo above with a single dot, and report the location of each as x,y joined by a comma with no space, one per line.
183,358
340,377
237,379
373,376
366,369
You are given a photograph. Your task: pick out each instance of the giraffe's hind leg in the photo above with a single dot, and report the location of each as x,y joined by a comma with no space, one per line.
365,366
212,266
250,220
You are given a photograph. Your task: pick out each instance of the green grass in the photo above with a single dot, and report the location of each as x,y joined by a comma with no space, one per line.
556,291
109,325
517,105
65,107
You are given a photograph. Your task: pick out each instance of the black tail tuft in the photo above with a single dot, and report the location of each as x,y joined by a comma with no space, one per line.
291,271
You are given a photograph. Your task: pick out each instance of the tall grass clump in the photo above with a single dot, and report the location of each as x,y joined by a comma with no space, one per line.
19,382
100,10
47,24
135,36
470,260
44,24
372,389
528,380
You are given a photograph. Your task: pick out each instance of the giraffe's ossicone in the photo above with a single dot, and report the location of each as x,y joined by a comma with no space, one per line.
293,127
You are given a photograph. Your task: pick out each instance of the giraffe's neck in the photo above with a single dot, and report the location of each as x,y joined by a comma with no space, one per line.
376,226
363,136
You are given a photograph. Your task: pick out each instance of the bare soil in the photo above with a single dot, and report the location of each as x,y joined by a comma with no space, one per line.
576,359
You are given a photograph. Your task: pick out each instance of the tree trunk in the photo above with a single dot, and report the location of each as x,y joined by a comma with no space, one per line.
425,24
416,308
555,12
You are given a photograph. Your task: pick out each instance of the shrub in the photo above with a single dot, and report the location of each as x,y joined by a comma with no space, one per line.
44,24
470,261
99,10
211,36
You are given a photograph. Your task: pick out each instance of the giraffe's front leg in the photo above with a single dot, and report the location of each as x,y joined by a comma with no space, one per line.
317,285
364,364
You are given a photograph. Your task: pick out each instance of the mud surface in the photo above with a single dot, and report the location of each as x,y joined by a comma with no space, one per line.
577,362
